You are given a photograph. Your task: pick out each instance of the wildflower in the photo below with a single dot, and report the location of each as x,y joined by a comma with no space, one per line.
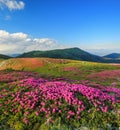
25,121
36,113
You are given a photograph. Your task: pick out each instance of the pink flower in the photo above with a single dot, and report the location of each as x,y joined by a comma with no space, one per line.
36,113
47,115
25,121
68,116
26,113
54,110
118,111
59,111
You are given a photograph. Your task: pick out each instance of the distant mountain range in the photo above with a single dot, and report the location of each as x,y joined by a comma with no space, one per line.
113,56
14,55
69,53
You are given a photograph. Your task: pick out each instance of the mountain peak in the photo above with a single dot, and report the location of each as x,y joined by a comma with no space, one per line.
68,53
113,56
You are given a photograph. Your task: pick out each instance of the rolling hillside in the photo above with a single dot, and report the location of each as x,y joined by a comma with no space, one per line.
70,53
70,69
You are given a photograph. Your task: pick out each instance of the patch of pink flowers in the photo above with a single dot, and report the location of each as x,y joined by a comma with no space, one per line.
106,74
51,98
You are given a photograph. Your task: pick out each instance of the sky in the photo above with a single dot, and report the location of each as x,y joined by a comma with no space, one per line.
92,25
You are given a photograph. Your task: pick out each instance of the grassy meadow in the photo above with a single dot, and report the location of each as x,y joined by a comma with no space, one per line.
58,94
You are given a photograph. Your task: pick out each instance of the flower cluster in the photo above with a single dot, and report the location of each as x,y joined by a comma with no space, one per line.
28,95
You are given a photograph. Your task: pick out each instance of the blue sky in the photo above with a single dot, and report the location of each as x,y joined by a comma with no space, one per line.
93,25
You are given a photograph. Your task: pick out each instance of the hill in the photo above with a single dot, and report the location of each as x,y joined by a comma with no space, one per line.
4,56
113,56
70,53
68,69
77,88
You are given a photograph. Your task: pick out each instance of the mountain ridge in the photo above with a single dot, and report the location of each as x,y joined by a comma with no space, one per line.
68,53
2,56
113,56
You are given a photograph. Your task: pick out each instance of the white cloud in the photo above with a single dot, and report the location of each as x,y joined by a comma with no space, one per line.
19,35
12,4
20,42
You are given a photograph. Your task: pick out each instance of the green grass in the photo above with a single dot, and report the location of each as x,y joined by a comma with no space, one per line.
71,70
79,70
68,69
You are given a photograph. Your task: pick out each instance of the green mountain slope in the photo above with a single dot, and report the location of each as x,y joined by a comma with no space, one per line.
70,53
4,56
113,56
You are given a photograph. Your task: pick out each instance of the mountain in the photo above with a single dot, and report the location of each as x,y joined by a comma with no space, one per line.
69,53
4,56
113,56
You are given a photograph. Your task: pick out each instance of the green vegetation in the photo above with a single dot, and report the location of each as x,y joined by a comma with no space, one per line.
24,103
71,53
29,102
4,56
113,56
69,69
79,70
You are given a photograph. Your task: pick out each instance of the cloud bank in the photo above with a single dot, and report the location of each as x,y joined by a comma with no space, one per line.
19,42
12,4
